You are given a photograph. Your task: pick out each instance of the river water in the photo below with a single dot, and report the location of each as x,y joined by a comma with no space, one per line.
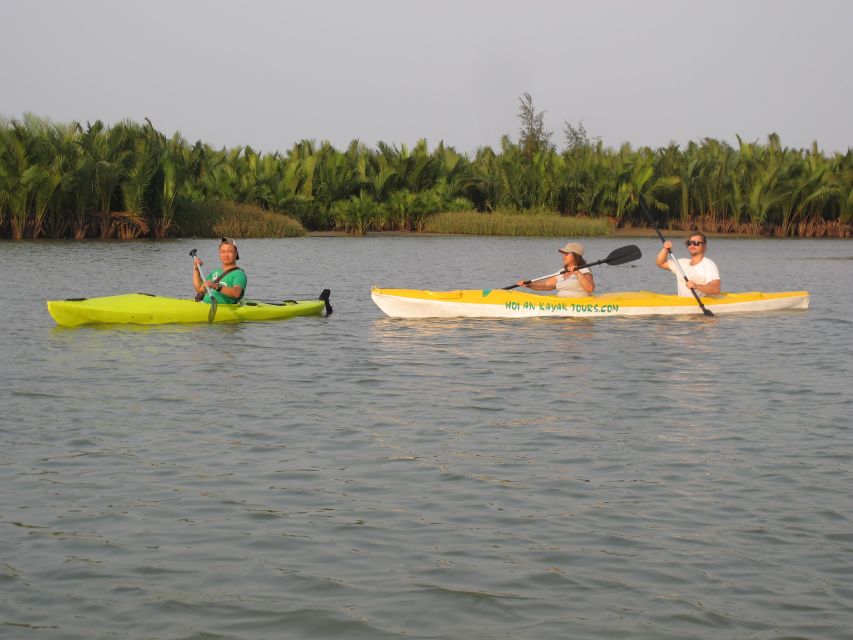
357,476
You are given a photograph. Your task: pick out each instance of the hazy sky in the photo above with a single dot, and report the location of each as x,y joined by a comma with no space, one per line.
271,73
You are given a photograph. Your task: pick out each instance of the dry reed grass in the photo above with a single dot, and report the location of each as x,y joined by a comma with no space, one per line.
212,219
517,224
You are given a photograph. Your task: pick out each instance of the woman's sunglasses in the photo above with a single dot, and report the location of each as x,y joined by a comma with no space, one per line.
694,243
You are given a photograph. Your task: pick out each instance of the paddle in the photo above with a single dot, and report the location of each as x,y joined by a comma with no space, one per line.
324,296
212,313
707,312
618,256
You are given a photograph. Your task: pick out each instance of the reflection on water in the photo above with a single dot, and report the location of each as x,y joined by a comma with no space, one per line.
350,476
165,329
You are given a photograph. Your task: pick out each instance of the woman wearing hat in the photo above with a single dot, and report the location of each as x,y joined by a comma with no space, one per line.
228,284
577,280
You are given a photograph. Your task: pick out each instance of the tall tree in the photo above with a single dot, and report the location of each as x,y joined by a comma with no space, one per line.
533,136
577,137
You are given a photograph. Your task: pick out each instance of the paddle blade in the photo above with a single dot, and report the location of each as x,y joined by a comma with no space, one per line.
705,310
212,313
624,254
325,298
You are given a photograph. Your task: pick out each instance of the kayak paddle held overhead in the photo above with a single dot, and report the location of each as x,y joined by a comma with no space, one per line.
707,312
618,256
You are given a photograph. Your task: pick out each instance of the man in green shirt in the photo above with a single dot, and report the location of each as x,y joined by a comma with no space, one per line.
227,284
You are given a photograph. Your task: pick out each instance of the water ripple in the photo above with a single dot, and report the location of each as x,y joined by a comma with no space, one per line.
362,477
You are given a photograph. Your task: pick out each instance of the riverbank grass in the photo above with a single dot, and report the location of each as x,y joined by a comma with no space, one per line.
517,224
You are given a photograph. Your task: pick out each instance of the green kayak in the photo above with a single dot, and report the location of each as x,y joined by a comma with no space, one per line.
146,308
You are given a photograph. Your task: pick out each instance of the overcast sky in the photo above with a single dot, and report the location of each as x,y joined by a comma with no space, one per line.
271,73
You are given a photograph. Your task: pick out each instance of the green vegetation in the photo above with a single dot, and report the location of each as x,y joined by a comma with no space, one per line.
517,224
129,181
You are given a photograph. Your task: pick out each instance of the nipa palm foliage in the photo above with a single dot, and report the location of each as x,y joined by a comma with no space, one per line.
130,180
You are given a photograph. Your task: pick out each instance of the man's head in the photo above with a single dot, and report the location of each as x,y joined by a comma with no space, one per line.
696,243
227,249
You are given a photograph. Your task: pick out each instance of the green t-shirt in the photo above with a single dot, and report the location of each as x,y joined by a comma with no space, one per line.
235,278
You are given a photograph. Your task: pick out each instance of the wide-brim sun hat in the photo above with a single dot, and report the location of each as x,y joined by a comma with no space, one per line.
573,247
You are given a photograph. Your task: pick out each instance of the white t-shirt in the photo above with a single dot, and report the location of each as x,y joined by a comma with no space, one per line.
568,285
702,273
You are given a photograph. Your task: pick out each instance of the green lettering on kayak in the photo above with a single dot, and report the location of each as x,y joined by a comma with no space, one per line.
553,306
595,308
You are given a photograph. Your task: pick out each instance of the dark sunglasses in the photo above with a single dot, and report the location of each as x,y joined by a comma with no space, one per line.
694,243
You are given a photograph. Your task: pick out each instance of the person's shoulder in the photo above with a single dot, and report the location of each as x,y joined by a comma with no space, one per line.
710,267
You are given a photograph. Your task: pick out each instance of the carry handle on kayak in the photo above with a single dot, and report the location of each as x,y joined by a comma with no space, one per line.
618,256
212,313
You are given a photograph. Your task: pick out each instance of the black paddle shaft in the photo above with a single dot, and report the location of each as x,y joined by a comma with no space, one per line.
707,312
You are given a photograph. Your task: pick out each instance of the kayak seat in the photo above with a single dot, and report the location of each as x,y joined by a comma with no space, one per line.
445,295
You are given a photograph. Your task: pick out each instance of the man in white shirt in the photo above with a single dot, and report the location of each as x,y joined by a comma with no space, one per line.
702,273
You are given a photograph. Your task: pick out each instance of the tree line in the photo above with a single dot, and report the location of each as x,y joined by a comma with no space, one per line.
130,180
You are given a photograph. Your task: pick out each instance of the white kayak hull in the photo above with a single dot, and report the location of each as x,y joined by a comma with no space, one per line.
500,303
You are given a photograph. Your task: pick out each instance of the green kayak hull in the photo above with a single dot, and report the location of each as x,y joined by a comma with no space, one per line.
144,308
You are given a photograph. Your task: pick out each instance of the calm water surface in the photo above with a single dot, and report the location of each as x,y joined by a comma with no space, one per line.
362,477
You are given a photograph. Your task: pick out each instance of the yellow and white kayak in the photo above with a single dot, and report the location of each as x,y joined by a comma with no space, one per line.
501,303
145,308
